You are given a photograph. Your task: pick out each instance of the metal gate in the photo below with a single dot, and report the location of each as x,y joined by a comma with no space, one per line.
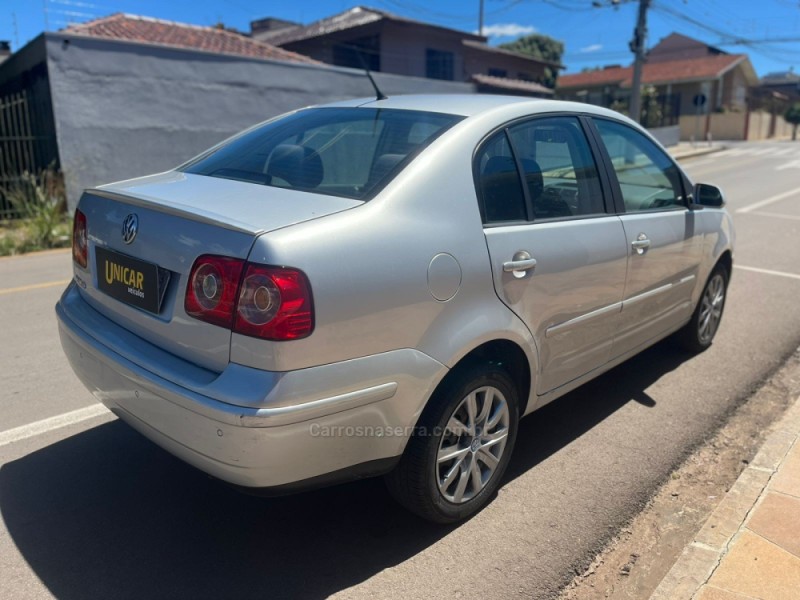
23,146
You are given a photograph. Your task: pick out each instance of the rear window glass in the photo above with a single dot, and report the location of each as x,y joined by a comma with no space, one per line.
350,152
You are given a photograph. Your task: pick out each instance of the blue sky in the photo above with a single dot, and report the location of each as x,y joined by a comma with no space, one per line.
593,36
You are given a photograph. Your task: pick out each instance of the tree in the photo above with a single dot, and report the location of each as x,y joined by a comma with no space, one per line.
651,107
543,47
792,115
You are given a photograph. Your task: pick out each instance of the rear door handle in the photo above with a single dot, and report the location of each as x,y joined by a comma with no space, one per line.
640,244
521,262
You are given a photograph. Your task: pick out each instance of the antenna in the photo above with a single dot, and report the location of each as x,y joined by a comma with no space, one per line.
379,95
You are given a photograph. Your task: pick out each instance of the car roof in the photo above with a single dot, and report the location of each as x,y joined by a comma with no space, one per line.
468,105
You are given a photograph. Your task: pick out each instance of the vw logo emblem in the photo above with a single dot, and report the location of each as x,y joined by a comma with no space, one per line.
130,227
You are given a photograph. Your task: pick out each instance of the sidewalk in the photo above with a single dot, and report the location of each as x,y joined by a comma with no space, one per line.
750,546
686,150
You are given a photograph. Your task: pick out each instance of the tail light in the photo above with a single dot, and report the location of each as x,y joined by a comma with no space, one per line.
80,244
211,292
272,303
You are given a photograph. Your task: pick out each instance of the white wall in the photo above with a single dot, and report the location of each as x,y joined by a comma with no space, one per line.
123,109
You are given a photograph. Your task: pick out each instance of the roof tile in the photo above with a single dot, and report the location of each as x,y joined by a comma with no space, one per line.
121,26
349,19
672,71
518,85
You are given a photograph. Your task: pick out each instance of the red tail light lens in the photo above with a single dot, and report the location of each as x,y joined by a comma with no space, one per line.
211,291
80,241
274,303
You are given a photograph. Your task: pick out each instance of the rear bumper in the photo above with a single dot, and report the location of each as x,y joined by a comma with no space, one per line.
250,427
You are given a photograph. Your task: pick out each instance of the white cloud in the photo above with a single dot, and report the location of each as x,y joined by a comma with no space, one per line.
508,30
592,48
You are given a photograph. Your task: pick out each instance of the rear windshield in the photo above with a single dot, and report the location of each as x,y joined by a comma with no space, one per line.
350,152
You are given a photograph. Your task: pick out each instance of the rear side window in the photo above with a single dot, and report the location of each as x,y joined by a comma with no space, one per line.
501,196
552,159
350,152
560,173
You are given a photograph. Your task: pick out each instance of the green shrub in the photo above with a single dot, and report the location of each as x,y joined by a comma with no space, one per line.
41,202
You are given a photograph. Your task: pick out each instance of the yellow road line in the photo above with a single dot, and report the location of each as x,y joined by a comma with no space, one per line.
33,286
36,253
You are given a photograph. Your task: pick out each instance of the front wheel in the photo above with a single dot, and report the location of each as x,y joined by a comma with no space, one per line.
698,334
456,458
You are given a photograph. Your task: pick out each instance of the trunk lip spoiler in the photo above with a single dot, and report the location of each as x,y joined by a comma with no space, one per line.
188,212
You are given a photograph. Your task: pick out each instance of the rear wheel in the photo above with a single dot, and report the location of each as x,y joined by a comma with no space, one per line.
454,461
698,334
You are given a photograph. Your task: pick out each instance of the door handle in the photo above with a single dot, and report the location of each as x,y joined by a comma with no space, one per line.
640,244
521,262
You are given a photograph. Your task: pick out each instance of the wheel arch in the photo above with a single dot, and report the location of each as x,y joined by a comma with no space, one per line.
726,260
505,353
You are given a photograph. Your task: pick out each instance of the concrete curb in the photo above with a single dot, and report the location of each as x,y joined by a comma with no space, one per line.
697,152
703,555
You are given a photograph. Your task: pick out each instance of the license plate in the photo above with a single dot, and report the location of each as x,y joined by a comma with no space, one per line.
130,280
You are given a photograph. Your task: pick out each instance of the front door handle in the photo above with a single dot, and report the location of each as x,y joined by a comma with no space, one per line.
521,262
640,244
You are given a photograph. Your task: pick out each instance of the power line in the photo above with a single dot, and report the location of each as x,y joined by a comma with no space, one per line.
728,38
779,40
562,5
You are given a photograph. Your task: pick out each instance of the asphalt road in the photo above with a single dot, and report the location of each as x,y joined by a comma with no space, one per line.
93,510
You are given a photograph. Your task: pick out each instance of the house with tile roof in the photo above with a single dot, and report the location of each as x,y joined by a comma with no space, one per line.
679,68
784,85
389,43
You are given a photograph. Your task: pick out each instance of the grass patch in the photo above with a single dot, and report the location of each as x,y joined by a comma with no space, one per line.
21,235
41,202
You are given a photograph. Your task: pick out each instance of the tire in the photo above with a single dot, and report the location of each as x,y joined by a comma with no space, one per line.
698,334
446,473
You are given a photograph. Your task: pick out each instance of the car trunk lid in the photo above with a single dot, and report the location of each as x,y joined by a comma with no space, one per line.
178,217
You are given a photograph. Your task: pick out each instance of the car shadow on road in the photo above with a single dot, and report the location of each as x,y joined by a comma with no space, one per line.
106,514
555,425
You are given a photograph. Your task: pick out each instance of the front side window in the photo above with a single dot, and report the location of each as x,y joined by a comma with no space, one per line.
648,179
560,173
350,152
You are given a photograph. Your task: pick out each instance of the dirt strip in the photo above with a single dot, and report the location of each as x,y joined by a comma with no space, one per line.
634,562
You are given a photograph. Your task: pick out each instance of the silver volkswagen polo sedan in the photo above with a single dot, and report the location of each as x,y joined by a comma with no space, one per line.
385,287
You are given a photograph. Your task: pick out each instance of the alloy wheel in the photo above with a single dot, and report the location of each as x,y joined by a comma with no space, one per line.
472,444
711,309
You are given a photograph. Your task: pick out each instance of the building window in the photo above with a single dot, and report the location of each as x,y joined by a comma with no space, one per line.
438,64
359,53
524,76
498,72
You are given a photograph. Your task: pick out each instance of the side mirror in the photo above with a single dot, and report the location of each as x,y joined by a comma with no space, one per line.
705,194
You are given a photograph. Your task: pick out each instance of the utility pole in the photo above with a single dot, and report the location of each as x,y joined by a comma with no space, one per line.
480,18
638,46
